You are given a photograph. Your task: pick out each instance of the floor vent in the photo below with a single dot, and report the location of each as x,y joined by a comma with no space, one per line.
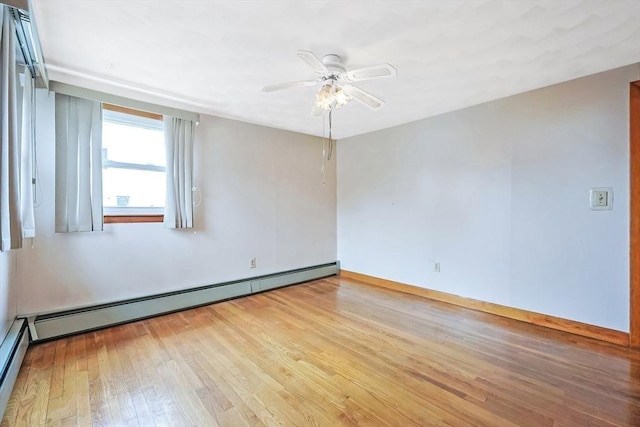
59,324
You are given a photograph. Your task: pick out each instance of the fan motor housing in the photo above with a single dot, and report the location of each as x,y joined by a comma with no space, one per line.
334,63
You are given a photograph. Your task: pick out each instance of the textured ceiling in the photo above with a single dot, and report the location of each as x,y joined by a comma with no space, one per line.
214,57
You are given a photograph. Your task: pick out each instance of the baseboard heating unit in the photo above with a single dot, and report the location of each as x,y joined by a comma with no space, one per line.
68,322
12,351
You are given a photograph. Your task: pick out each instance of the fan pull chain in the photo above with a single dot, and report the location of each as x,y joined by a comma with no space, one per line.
326,152
323,152
330,137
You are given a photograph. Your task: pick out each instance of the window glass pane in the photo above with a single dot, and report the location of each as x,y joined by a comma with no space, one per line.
132,188
132,144
133,156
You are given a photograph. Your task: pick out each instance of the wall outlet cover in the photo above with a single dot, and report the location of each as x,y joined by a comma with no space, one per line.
601,198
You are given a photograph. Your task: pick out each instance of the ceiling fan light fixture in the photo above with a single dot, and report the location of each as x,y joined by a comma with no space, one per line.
325,97
331,96
341,97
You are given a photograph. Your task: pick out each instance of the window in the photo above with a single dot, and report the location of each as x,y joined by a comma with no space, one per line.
133,165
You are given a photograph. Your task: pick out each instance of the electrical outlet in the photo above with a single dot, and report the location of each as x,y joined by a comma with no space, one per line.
436,267
601,198
252,263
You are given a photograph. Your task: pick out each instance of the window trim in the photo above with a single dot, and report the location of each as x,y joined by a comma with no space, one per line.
125,219
133,210
115,217
133,112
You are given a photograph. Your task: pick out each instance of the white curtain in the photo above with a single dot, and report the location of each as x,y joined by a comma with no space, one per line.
178,137
78,164
27,213
10,224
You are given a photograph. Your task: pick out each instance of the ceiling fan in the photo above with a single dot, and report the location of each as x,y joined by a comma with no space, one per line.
335,82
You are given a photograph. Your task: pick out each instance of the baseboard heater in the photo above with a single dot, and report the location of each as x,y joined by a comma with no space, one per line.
12,351
68,322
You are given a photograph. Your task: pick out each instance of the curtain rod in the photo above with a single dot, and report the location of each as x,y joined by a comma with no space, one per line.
94,95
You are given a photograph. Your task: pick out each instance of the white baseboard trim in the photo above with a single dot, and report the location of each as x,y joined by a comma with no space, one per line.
12,351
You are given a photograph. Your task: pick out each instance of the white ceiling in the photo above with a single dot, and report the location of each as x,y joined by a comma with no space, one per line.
214,57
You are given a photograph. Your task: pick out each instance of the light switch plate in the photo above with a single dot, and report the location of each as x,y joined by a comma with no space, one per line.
601,198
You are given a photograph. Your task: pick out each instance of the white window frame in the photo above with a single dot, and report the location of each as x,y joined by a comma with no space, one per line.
134,118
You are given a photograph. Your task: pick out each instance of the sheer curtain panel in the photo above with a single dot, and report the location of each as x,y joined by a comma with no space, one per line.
27,176
178,136
10,224
78,164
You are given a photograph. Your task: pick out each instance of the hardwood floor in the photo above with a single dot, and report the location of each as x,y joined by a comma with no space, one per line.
330,352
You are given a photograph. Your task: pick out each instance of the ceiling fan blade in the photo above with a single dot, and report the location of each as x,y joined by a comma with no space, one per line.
368,73
313,61
365,97
281,86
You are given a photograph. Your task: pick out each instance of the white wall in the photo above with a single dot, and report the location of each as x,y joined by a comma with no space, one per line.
499,195
262,197
8,299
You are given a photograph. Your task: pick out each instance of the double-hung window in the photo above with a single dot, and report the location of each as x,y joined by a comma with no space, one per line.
133,165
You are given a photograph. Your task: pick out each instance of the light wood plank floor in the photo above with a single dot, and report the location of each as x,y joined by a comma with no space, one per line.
330,352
